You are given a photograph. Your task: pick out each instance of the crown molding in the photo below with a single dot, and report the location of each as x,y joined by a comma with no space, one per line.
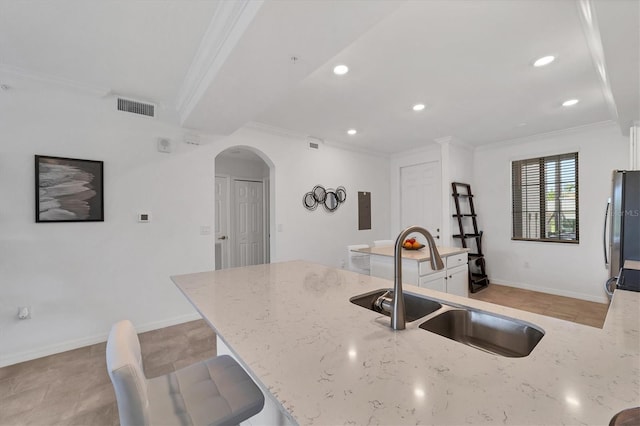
279,131
427,148
229,22
437,143
452,140
443,140
55,81
347,147
538,136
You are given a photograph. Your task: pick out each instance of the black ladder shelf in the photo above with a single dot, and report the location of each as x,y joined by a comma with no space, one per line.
477,268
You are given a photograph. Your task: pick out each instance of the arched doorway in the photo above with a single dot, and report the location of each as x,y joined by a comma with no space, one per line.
242,200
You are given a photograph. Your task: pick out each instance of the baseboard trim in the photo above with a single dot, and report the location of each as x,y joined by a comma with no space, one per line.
6,360
548,290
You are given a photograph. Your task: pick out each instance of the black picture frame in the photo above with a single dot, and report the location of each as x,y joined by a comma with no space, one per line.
68,190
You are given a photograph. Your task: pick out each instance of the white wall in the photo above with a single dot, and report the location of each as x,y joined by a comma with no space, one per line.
575,270
240,168
79,278
458,160
317,235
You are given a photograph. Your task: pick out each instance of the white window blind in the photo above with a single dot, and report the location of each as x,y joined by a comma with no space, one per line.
545,198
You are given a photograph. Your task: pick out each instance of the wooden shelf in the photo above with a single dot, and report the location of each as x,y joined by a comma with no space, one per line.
477,279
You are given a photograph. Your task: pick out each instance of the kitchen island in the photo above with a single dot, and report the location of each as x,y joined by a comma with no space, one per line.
417,270
325,361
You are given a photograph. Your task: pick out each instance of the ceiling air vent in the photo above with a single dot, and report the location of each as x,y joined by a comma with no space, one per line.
314,143
135,107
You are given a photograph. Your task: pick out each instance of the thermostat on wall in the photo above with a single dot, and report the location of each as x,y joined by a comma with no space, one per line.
144,217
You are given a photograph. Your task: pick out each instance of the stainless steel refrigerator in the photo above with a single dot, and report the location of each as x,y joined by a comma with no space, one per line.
622,221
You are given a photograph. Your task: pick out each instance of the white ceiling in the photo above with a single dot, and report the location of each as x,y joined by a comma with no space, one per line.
219,65
469,62
142,49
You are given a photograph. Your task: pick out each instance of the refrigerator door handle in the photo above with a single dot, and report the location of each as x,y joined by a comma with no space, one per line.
604,233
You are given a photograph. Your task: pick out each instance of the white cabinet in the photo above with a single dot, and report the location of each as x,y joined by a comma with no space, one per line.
453,279
457,275
383,267
457,281
434,281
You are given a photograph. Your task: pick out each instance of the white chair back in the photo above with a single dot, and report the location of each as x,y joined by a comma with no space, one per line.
358,262
124,364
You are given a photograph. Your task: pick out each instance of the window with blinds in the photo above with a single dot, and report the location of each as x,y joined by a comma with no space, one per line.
545,199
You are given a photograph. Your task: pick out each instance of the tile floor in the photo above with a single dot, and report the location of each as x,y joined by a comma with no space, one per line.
566,308
73,388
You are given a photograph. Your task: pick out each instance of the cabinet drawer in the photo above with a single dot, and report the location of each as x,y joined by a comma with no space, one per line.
457,260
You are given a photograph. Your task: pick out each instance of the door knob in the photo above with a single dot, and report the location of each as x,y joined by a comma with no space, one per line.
224,237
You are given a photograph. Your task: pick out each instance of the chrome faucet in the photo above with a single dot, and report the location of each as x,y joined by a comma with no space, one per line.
398,317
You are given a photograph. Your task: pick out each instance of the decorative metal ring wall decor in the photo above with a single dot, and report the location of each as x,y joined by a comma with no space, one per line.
309,201
319,193
330,199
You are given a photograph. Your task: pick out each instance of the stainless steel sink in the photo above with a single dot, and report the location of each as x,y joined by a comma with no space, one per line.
489,332
416,306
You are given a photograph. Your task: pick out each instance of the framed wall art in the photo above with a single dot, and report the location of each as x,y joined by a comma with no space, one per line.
69,190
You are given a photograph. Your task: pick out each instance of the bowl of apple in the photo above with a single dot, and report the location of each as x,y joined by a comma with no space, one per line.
412,244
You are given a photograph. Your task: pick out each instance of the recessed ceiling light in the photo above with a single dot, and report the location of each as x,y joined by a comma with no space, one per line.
545,60
418,107
352,132
570,102
340,69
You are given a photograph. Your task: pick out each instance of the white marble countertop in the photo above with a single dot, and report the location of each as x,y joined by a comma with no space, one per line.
330,362
420,255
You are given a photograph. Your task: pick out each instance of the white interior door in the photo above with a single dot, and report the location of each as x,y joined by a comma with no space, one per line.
221,211
248,223
420,197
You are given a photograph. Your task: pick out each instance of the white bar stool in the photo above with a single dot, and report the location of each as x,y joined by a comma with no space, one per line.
212,392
